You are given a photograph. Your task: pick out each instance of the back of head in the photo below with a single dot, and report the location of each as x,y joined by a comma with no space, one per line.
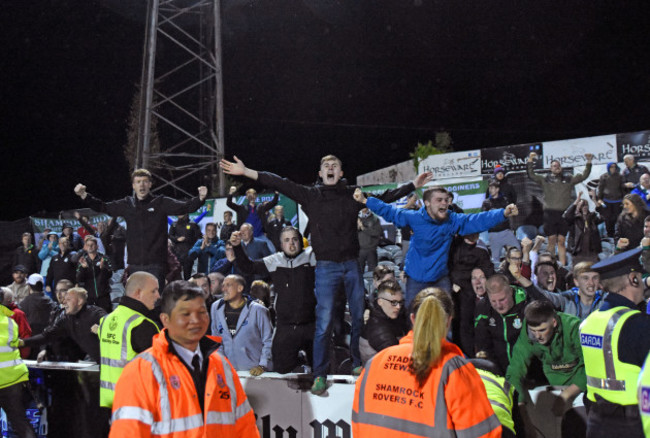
136,281
176,291
430,307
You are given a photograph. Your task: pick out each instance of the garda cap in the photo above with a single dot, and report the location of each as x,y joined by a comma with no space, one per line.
619,264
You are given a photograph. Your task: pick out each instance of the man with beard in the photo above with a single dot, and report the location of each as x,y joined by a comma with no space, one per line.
19,286
584,298
433,229
292,273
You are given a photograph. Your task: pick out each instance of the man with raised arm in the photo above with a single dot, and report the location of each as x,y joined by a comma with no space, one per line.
333,215
434,228
146,220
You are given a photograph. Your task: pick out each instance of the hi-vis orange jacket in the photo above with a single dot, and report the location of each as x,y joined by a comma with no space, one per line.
155,397
452,402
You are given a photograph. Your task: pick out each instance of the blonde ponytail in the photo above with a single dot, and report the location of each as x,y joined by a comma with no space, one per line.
429,330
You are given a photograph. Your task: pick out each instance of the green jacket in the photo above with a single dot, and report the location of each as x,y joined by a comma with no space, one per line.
557,190
562,359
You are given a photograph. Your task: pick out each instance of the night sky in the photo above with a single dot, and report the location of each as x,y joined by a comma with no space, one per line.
365,80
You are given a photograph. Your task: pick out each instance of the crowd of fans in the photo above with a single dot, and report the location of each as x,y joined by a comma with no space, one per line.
258,274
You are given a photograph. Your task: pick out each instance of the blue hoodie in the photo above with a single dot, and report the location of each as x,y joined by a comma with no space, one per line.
426,259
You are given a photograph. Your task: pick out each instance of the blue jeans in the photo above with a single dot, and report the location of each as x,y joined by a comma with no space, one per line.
413,287
329,275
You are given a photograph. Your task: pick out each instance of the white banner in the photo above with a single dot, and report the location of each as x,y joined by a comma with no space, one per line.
453,164
571,153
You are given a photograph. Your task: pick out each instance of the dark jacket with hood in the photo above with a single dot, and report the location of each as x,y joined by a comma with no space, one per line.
611,186
505,188
580,226
332,213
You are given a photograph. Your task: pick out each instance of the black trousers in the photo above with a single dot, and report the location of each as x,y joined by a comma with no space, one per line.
287,342
608,420
11,401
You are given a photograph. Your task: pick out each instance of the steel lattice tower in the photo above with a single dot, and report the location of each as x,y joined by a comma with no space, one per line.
181,96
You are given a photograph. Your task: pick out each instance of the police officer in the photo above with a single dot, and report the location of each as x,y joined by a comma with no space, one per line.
644,396
615,343
126,331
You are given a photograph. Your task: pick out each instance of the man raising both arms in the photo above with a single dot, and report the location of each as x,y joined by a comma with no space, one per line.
146,221
333,215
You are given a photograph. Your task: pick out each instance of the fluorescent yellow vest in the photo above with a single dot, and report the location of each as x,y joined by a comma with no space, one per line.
607,376
115,349
12,368
644,396
501,396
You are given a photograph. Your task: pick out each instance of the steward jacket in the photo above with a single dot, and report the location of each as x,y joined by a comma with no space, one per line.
146,222
557,191
496,334
562,359
77,327
332,213
250,346
12,368
388,402
157,396
428,254
122,333
293,283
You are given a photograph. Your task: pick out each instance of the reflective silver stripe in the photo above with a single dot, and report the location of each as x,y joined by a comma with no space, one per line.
440,421
495,383
177,425
107,385
480,429
165,409
230,381
214,417
10,324
499,405
6,349
125,333
10,363
609,384
113,363
242,409
133,413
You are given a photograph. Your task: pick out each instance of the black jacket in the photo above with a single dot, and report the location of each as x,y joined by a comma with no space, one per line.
332,213
493,204
381,331
630,228
577,230
187,229
146,221
464,258
505,189
39,309
28,258
95,278
293,283
62,266
273,230
75,326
